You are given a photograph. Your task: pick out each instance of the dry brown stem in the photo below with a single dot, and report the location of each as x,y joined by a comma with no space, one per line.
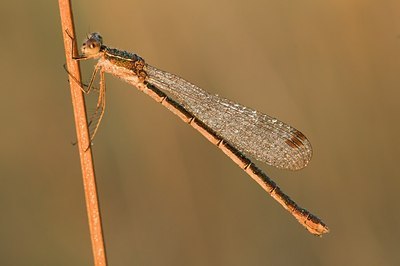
83,140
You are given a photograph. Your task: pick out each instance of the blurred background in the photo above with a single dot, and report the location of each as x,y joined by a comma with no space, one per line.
168,196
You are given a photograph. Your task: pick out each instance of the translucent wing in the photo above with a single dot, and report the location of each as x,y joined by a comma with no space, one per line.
254,133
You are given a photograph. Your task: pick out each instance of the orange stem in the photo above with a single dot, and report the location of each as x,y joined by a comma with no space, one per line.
83,140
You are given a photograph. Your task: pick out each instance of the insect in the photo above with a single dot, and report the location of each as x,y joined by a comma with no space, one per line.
235,129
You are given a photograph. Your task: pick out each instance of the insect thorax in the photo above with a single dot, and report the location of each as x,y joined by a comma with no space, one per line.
127,60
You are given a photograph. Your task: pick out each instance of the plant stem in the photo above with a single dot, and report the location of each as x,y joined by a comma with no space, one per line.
83,140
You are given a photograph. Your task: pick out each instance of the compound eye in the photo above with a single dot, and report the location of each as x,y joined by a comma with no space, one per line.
91,47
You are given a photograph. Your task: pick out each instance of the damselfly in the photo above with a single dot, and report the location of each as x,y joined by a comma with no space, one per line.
234,128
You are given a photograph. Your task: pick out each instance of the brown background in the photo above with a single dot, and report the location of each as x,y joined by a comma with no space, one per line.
329,68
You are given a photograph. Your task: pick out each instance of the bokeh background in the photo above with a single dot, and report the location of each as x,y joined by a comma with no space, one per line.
169,197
